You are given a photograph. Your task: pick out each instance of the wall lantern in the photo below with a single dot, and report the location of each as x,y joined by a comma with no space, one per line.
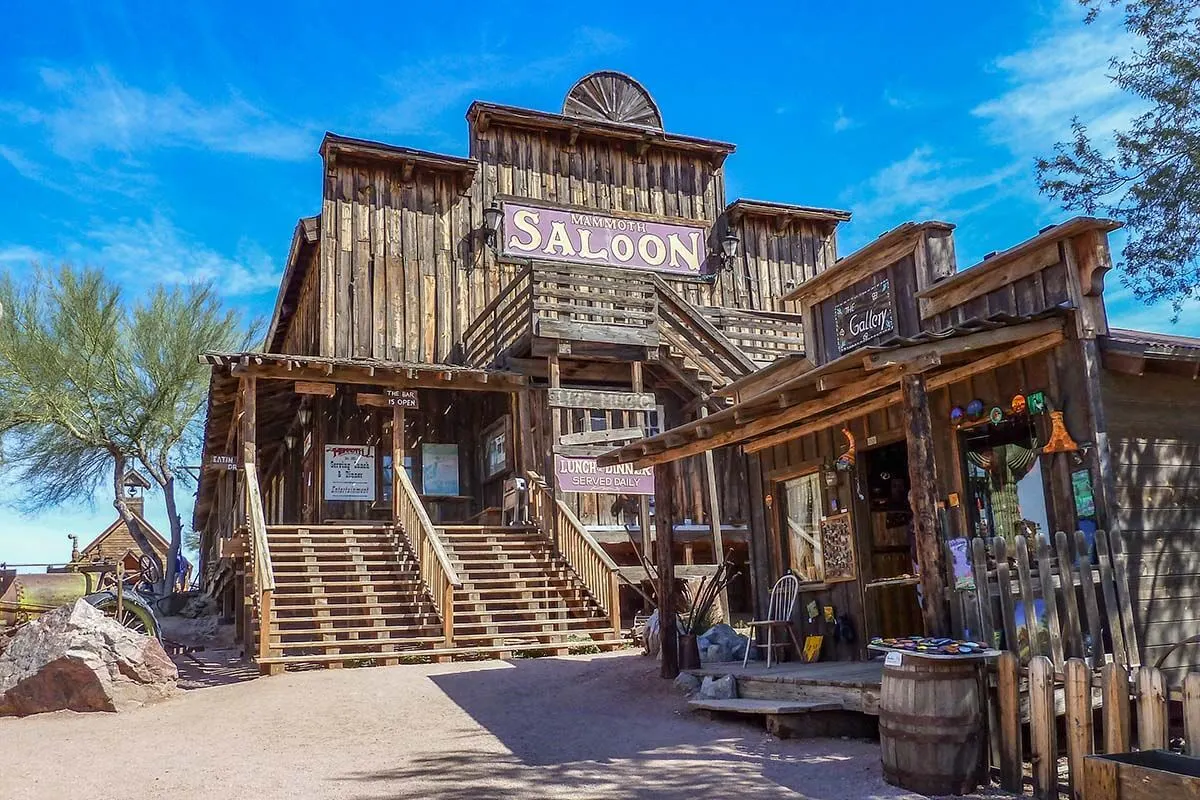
729,249
290,441
491,224
831,475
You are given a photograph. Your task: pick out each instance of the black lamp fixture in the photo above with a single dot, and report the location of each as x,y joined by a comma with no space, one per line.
491,223
729,249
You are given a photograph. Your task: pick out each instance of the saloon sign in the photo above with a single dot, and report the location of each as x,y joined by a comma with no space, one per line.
583,475
864,316
589,238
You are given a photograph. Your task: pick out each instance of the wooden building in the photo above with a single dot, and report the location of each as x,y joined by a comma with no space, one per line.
933,407
408,466
115,544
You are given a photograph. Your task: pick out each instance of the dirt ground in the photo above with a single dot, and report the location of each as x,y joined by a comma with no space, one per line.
601,726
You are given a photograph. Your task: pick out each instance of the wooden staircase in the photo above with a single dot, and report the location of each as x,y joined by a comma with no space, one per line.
346,593
517,594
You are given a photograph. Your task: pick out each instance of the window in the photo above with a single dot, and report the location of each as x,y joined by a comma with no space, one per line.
1004,482
802,518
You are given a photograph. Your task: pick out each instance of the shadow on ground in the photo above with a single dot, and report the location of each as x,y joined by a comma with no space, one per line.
611,728
207,668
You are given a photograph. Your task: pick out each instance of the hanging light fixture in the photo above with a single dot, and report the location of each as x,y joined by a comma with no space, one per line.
729,249
492,215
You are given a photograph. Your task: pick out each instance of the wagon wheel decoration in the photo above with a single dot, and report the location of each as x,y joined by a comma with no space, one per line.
132,616
150,571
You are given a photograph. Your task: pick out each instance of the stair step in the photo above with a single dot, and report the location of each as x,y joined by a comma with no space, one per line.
376,577
388,562
516,637
376,642
609,643
531,624
314,630
415,617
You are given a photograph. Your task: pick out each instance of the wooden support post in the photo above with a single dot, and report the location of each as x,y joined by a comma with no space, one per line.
664,522
637,384
554,374
397,459
1009,712
248,390
922,474
714,515
1104,486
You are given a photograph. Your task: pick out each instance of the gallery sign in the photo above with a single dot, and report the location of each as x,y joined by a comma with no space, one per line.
584,237
349,472
584,475
864,316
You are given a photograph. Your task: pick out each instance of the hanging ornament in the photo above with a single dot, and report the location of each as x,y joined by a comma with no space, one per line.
975,409
1018,404
846,460
957,414
996,415
1037,402
1060,441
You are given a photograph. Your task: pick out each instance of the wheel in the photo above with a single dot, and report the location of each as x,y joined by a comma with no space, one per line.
151,574
135,614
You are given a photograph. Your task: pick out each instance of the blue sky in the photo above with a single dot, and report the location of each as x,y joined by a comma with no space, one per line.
177,141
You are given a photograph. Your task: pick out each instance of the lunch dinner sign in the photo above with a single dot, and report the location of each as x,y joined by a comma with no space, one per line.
585,237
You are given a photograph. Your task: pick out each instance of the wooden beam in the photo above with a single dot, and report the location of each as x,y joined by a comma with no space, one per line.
714,513
397,458
935,381
310,387
603,436
372,400
984,278
328,372
248,389
960,344
664,523
637,382
923,496
600,400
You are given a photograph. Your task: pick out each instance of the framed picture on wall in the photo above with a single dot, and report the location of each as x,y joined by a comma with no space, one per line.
497,448
439,469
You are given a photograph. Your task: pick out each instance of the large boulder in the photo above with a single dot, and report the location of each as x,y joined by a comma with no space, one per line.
722,643
78,659
722,688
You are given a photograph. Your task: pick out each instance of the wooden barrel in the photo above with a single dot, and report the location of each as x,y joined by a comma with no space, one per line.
931,731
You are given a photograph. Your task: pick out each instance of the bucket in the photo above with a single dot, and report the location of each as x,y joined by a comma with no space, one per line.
689,652
931,726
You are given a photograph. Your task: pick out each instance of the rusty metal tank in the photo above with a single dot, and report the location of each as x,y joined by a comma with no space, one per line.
25,596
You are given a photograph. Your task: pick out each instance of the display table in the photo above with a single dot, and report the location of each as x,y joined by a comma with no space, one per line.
932,735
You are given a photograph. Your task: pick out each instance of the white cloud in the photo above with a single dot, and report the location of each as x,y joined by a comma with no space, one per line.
923,186
155,250
13,256
91,110
1060,76
842,122
429,88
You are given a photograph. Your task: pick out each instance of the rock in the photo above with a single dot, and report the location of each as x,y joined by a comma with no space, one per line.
653,641
687,683
722,643
723,688
78,659
199,605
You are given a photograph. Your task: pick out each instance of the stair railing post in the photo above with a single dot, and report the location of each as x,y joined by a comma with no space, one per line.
448,614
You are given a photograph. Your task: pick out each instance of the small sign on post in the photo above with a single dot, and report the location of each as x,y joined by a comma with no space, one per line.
402,398
221,462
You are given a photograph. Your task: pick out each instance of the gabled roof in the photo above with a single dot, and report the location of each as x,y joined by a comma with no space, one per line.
304,238
766,208
156,538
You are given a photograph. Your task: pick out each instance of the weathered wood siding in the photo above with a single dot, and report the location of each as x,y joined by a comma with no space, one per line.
304,328
1044,289
903,277
776,260
1155,448
396,260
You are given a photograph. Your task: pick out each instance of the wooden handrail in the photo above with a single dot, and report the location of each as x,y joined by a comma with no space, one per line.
688,315
439,576
263,570
583,554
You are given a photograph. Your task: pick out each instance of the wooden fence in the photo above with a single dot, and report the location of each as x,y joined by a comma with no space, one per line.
1081,712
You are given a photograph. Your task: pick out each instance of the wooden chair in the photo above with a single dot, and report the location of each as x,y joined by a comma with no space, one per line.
782,605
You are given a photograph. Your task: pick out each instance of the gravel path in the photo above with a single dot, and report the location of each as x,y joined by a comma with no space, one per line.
581,727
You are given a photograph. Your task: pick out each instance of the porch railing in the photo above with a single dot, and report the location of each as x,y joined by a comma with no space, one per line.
594,304
438,575
762,335
263,570
501,324
598,572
